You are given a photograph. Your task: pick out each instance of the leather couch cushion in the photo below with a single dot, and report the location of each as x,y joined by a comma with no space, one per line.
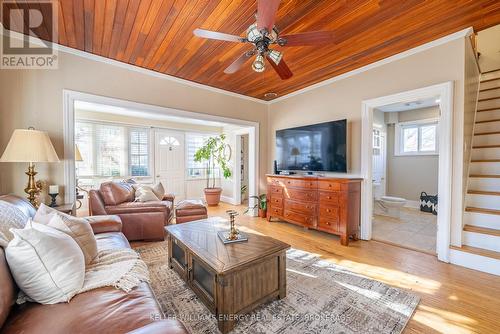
114,193
8,289
111,240
104,310
135,207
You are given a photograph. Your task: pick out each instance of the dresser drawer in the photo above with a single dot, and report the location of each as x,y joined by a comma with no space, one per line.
301,195
299,218
275,212
329,185
300,207
312,184
275,191
275,182
276,202
330,212
328,224
329,198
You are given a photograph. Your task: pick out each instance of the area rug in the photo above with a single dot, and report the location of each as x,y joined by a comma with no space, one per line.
321,298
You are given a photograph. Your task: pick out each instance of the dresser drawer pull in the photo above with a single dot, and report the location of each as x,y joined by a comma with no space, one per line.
328,210
327,223
329,197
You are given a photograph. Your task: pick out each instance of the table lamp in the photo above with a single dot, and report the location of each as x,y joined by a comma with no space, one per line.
30,146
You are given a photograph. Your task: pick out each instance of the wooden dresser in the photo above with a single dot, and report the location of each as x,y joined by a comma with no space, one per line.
322,203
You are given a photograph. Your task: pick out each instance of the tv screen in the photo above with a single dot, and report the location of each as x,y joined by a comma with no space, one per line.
318,147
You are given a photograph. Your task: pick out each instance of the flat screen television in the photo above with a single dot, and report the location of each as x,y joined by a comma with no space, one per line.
316,148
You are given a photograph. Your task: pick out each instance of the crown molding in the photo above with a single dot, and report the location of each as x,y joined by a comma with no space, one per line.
440,41
109,61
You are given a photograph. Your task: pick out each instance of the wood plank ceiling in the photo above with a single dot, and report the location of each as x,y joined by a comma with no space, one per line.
157,35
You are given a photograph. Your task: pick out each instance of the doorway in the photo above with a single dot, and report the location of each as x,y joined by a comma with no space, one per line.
170,161
444,94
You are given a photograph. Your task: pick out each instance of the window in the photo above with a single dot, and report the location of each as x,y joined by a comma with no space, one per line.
112,150
195,169
416,138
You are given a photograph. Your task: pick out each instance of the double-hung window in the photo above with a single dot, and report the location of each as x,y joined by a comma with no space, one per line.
417,137
112,150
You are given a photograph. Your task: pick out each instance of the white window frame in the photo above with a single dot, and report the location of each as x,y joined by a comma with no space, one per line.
398,137
142,179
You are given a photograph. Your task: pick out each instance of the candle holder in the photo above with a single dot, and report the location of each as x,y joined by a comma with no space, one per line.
233,235
53,203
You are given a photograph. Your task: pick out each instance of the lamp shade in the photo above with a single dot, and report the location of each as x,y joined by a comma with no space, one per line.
78,155
29,146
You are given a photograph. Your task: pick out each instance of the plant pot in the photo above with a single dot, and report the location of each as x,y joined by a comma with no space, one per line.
212,196
262,213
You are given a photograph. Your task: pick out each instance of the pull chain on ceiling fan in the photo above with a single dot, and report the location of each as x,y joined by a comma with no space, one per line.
264,34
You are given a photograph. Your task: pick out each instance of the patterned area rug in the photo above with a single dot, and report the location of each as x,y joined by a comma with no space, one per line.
321,298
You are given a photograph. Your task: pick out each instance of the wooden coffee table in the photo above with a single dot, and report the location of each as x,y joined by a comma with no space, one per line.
230,279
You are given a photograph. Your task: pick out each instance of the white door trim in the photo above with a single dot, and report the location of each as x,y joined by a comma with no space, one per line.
444,92
70,96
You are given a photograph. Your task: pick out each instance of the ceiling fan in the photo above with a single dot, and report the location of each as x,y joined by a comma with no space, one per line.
263,34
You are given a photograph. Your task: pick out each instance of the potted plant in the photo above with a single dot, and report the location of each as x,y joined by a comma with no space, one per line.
261,204
213,153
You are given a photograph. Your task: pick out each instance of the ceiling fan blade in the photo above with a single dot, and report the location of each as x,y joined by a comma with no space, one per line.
307,38
266,13
217,35
238,63
281,68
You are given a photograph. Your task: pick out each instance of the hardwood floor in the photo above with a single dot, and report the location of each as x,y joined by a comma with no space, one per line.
453,299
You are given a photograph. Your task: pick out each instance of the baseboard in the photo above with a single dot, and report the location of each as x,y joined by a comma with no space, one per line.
476,262
412,204
227,199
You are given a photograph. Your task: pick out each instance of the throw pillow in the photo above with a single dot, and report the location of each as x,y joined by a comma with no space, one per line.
10,217
77,228
47,265
145,193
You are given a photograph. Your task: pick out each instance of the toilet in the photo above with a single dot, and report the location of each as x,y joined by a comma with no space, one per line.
392,205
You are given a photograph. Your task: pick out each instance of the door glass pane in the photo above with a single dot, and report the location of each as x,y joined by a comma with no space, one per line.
428,138
410,139
178,254
203,277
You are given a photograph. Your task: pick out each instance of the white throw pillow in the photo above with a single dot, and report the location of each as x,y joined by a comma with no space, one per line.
10,217
77,228
145,193
47,265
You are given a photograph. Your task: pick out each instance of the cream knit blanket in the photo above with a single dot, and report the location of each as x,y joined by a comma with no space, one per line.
120,268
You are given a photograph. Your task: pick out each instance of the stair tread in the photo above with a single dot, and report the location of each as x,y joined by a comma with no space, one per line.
485,176
485,146
490,80
491,71
487,133
488,89
489,99
484,192
482,210
486,160
488,109
478,251
482,230
488,121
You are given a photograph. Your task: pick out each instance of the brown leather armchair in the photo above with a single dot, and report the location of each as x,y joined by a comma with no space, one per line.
141,220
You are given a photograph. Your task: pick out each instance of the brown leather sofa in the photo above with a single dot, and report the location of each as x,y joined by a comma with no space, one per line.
103,310
141,220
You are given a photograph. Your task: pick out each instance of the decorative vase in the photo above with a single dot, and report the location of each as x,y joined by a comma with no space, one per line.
212,196
262,213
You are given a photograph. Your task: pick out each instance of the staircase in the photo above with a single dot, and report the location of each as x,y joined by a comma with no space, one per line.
481,232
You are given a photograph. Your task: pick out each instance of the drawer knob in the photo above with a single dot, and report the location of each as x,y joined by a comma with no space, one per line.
328,210
330,185
329,197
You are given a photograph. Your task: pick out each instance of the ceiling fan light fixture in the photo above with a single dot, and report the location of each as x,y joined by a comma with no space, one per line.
275,56
253,33
258,64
